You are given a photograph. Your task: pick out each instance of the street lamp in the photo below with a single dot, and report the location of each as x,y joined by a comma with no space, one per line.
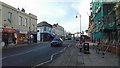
80,25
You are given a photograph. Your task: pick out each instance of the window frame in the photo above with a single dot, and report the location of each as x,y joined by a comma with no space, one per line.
10,16
0,12
45,29
20,20
26,20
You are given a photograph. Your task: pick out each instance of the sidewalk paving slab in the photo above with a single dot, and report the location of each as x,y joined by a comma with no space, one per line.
72,57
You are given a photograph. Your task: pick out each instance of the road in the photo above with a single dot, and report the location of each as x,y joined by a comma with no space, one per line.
30,55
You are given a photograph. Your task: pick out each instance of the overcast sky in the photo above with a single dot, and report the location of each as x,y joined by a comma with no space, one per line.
57,11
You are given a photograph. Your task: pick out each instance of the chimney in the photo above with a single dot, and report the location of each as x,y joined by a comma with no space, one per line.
23,10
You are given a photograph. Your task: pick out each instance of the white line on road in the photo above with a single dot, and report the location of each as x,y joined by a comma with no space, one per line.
51,58
20,53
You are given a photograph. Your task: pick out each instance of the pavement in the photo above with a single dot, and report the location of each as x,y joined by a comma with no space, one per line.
73,57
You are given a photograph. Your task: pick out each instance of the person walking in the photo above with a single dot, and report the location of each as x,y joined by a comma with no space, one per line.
5,40
14,40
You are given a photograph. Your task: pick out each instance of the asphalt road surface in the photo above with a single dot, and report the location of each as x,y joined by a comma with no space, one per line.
30,55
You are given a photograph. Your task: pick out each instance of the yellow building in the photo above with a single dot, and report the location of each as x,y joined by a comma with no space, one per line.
17,23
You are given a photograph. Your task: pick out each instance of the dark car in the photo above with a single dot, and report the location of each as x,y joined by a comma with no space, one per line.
57,42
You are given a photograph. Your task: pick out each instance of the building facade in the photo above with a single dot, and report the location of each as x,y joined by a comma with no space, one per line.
33,27
44,32
90,28
104,19
118,25
0,22
16,23
58,30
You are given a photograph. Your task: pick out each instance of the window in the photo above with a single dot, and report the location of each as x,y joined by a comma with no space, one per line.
0,18
10,17
0,12
0,15
20,20
25,22
44,28
33,27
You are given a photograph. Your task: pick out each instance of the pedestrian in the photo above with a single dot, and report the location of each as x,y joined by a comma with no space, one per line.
14,40
5,40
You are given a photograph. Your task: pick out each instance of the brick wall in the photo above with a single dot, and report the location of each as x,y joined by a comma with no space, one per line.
112,49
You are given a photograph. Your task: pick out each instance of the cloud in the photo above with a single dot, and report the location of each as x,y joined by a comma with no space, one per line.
51,13
41,8
37,7
73,26
56,12
61,0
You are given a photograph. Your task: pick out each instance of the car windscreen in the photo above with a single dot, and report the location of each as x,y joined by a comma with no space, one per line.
56,40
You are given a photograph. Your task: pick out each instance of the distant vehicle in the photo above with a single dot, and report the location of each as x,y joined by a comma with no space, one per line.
57,42
85,38
77,39
67,38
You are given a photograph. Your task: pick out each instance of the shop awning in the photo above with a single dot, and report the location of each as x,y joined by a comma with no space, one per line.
9,30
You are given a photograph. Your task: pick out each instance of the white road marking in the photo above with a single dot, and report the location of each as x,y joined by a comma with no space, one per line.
20,54
35,49
51,58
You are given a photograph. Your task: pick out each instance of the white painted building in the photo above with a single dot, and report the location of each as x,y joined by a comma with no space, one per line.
58,30
44,31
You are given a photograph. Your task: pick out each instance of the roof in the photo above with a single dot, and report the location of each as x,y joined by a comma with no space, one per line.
44,23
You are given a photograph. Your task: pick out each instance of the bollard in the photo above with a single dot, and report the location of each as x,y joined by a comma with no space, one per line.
103,54
80,49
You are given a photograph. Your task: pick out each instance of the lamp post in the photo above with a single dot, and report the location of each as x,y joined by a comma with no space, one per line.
80,25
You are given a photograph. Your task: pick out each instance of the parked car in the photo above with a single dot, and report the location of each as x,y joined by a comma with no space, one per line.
57,42
77,39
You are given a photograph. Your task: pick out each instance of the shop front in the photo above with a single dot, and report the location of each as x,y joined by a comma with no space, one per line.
22,37
8,35
44,37
33,37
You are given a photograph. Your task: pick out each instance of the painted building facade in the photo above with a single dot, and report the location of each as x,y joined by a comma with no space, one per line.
118,25
101,18
58,30
45,32
0,22
104,19
16,23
